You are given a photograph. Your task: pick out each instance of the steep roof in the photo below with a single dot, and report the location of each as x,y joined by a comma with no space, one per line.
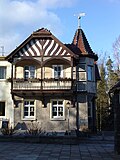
80,45
45,38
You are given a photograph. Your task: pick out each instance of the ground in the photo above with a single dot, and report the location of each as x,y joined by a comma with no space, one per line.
93,148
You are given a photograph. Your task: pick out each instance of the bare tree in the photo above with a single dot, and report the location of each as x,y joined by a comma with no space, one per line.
116,52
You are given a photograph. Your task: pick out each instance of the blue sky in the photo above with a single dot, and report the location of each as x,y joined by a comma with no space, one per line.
19,18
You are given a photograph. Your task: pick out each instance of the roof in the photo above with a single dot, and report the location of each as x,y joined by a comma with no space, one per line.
40,34
81,46
115,87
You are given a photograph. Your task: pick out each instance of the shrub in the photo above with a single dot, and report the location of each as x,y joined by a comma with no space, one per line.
8,131
34,129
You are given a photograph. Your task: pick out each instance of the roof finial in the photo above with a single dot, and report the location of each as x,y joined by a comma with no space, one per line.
79,17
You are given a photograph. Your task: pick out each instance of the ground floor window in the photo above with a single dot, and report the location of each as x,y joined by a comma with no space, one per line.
57,109
2,108
29,109
2,72
90,109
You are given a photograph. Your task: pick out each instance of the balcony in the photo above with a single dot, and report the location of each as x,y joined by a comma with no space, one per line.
42,84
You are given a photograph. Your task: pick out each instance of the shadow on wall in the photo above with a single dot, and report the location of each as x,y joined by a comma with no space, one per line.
21,126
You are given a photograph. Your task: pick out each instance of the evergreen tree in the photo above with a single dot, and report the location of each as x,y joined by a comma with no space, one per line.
102,99
112,76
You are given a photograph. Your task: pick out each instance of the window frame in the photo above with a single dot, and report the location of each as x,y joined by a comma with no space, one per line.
4,108
5,72
53,73
29,106
90,73
57,106
29,72
82,71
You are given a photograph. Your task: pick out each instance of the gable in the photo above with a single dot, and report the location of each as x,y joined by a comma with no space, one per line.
43,47
41,43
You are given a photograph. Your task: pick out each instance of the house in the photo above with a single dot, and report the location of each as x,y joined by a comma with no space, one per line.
114,94
54,83
6,102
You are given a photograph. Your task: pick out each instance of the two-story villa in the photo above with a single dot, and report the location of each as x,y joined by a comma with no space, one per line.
54,83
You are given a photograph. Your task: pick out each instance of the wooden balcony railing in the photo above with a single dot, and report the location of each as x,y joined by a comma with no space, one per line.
43,84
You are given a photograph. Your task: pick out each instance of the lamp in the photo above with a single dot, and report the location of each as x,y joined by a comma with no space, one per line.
68,104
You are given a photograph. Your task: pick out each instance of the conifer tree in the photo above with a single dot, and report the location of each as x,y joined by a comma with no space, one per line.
112,76
102,100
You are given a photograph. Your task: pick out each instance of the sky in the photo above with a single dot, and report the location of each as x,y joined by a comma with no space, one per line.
19,18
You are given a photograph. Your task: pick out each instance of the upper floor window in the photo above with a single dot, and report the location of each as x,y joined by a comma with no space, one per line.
29,109
81,72
57,71
29,72
90,73
2,72
57,109
2,108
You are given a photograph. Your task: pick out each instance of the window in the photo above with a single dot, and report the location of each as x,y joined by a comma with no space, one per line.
2,108
90,73
2,72
57,109
90,109
81,73
29,109
29,72
57,71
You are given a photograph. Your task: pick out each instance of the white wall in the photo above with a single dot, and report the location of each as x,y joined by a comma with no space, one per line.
5,95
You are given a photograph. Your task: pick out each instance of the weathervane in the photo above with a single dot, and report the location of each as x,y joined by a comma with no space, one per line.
79,17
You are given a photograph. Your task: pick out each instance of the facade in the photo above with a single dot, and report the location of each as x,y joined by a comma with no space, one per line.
115,99
54,83
6,103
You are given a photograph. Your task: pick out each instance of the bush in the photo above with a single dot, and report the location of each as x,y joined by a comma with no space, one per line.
34,129
8,131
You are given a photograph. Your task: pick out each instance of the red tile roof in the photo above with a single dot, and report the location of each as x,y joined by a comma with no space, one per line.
81,46
81,42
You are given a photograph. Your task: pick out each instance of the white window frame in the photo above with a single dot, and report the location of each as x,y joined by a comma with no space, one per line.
57,107
82,76
53,73
90,73
81,73
29,106
4,72
29,71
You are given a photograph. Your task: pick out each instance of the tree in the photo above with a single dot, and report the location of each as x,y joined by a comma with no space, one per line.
102,99
116,52
112,76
